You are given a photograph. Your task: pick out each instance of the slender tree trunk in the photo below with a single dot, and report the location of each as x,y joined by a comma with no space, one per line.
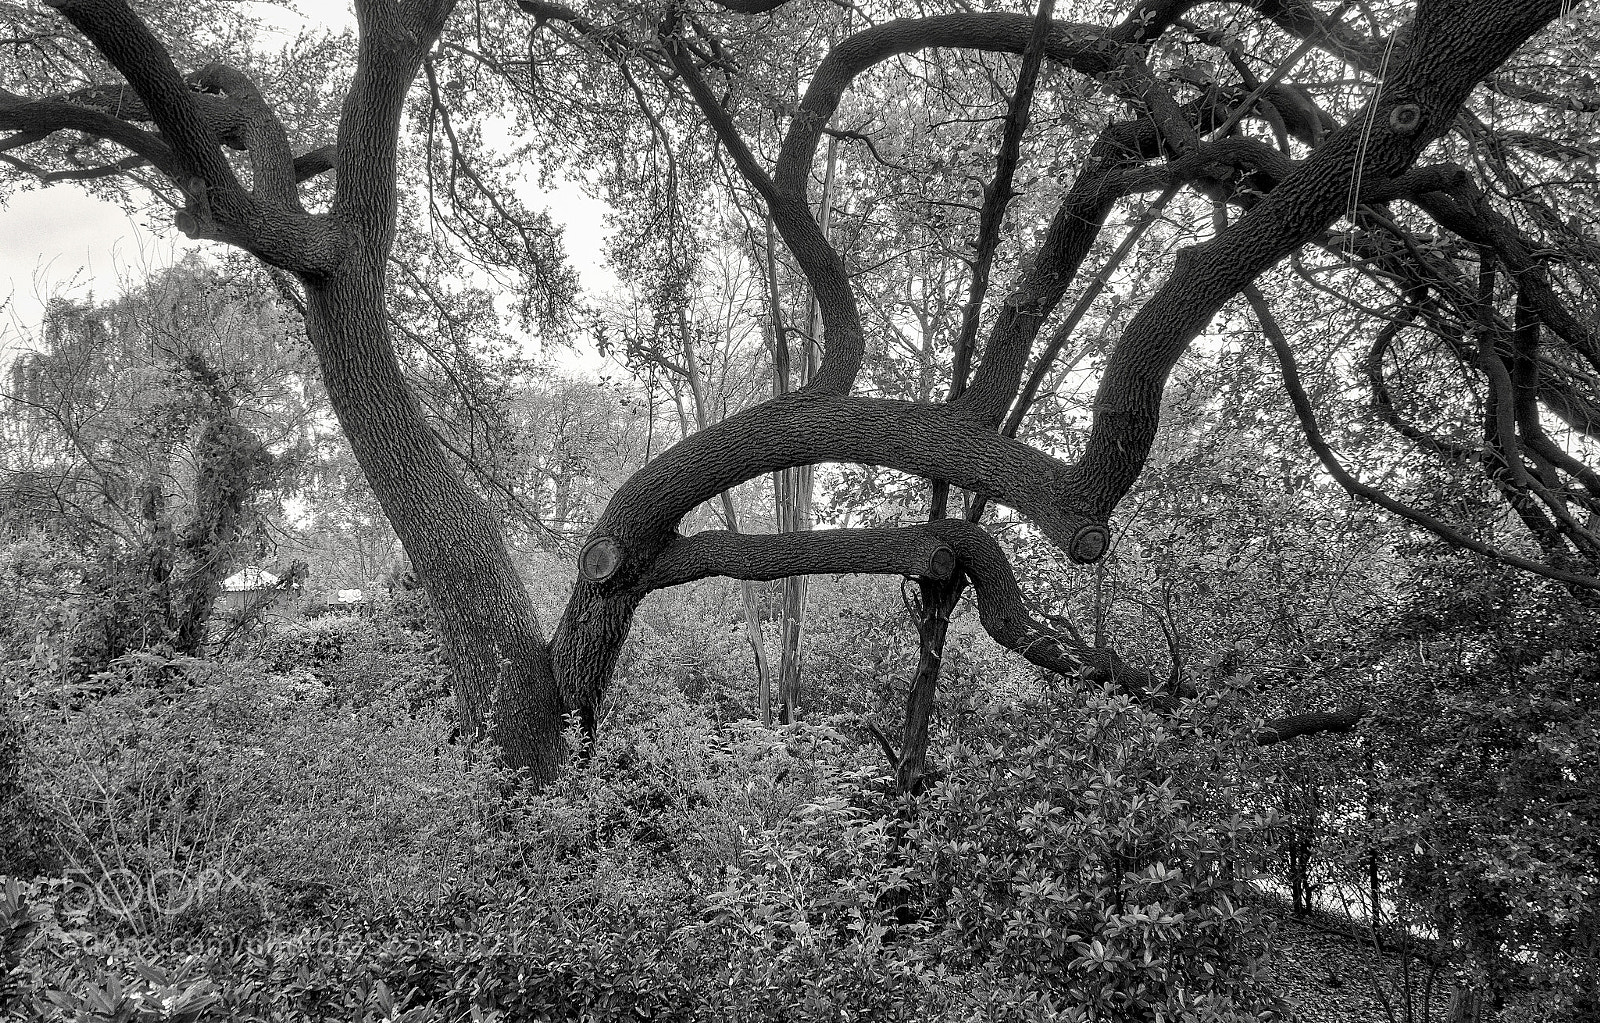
752,605
786,488
505,688
939,601
796,589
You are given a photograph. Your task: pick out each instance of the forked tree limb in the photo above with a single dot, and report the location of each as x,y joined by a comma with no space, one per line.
843,341
802,428
219,205
1107,175
1451,46
1464,209
265,139
122,38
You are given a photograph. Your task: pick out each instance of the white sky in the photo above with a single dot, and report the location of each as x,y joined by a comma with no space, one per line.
62,241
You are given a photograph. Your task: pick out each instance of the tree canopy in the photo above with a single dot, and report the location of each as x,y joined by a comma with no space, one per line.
1394,203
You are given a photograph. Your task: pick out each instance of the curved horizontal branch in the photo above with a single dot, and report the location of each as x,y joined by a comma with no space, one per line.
1007,619
1083,47
750,6
805,428
763,557
802,428
89,172
933,550
1298,18
36,119
316,161
1100,53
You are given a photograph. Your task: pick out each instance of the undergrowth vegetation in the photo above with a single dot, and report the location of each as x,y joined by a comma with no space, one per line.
298,834
294,830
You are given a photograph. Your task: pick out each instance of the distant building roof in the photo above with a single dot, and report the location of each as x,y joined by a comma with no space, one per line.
249,578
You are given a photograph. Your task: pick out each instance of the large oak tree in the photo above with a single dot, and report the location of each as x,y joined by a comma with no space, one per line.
1420,188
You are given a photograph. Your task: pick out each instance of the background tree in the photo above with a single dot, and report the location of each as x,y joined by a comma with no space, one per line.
149,435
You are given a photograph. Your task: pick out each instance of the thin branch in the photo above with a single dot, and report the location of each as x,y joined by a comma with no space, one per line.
1330,462
997,196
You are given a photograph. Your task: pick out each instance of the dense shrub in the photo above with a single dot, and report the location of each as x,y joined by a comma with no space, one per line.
324,850
692,871
317,804
38,612
383,652
25,848
1490,820
1094,869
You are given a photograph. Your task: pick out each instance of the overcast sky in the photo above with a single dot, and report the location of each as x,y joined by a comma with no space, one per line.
61,241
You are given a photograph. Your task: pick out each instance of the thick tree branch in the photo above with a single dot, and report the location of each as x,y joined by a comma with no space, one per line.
1068,326
219,206
802,428
271,160
316,161
933,551
762,557
36,119
1453,45
843,345
122,38
1293,726
1006,617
